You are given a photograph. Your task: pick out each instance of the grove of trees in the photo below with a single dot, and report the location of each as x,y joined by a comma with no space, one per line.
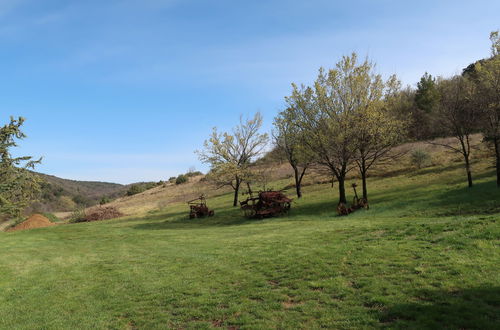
351,118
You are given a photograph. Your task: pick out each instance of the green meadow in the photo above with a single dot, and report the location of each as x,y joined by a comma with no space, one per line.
426,255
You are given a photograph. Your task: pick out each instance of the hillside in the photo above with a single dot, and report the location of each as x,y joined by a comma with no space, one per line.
65,195
280,177
424,256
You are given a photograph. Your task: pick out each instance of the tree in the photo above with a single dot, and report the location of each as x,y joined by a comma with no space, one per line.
327,116
457,116
378,129
426,100
427,95
488,98
18,186
289,139
230,155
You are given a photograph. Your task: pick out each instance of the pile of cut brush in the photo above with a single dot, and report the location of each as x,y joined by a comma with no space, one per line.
97,214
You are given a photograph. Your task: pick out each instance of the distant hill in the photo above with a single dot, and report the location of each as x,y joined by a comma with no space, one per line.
65,195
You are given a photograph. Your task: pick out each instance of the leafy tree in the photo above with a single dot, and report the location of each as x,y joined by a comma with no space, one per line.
457,116
427,95
327,116
378,129
289,139
230,154
488,97
18,186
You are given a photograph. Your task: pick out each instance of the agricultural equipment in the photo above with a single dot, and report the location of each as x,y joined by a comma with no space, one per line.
357,203
198,208
267,204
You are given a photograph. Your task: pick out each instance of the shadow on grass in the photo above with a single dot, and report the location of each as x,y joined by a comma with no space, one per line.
482,198
180,220
476,308
228,217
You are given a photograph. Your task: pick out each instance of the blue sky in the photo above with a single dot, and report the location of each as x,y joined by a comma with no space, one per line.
125,91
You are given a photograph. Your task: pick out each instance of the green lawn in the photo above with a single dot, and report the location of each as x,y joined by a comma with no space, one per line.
426,255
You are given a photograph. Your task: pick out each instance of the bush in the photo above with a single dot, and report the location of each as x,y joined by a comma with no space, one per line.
420,158
195,173
172,179
135,189
78,215
104,200
181,179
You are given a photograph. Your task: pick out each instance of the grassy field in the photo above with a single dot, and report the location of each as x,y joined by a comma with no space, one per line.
426,255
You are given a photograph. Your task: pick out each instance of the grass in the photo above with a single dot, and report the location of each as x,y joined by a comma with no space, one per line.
424,256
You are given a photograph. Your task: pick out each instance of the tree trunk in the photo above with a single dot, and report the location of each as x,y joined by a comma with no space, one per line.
365,189
496,141
342,196
236,191
364,171
466,153
467,168
298,180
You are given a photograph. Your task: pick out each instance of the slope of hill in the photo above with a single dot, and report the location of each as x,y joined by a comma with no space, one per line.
64,195
280,177
424,256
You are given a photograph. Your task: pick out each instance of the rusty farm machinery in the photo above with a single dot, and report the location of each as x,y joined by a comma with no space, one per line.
198,208
266,204
357,203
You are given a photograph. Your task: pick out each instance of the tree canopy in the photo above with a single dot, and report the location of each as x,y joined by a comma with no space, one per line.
18,186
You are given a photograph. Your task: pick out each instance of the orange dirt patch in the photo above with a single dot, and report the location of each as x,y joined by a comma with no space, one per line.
35,221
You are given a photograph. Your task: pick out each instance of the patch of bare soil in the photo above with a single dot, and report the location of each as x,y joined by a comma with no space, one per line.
34,221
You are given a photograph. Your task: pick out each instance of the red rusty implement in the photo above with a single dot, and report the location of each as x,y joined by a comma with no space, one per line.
198,208
267,204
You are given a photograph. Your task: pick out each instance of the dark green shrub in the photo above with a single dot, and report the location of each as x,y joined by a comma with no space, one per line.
135,189
181,179
191,174
104,200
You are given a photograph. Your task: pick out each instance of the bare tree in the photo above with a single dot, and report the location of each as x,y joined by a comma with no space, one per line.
487,78
230,154
290,140
457,116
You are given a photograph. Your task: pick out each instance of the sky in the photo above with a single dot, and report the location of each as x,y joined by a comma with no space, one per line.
126,90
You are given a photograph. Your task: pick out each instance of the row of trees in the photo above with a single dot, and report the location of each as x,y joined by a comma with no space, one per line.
342,122
467,104
350,119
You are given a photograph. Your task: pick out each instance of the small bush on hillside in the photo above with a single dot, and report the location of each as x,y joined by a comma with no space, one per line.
135,189
172,179
191,174
420,158
181,179
104,200
78,215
